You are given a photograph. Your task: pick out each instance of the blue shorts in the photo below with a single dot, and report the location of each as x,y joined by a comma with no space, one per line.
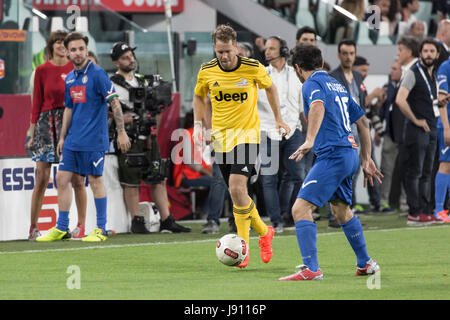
444,151
85,163
330,177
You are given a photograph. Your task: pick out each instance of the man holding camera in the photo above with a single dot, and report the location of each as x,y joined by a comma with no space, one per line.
130,178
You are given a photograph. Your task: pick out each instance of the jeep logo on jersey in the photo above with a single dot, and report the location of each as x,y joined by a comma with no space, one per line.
242,96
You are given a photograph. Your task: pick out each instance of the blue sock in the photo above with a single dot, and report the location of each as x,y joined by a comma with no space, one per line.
441,183
63,221
355,236
100,206
307,242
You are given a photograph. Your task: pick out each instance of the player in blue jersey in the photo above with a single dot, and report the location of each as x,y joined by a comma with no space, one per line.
442,179
84,135
330,111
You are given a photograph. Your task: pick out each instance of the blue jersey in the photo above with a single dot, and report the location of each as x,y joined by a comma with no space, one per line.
341,110
443,76
87,93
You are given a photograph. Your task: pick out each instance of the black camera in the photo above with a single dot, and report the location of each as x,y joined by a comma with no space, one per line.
154,96
148,99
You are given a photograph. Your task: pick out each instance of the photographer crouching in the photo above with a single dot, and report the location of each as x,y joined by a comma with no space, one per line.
141,98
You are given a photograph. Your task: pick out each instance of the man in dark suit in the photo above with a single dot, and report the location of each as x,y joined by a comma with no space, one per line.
408,53
352,80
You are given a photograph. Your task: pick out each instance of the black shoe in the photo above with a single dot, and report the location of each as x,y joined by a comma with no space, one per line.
333,224
169,225
138,225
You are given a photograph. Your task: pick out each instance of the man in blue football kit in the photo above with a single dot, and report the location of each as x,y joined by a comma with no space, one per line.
84,135
442,179
330,111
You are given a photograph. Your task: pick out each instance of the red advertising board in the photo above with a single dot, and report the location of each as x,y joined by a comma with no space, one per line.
14,123
115,5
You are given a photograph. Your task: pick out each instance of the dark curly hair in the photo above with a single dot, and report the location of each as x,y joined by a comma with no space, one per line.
307,57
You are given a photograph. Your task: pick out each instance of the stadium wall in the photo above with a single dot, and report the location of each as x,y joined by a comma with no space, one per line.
14,123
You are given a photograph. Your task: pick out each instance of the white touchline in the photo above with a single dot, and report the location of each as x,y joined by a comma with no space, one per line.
200,241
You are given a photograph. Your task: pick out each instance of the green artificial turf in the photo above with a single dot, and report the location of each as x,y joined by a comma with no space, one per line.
414,265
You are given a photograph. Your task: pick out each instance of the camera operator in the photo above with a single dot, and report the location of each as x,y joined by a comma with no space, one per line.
138,126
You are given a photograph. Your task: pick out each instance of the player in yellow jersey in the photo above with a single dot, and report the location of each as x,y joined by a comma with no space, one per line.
232,82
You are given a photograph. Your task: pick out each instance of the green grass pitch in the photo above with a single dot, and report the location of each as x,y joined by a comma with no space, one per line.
414,265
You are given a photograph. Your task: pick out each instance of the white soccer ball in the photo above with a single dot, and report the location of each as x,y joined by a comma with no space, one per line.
231,250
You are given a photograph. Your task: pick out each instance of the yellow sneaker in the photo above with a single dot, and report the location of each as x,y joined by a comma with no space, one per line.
52,235
95,236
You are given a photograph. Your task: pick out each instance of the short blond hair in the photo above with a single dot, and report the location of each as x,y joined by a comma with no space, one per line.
224,33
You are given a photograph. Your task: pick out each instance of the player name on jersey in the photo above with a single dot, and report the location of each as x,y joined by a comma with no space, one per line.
335,87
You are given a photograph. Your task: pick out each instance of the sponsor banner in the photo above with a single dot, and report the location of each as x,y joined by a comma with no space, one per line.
17,179
115,5
11,35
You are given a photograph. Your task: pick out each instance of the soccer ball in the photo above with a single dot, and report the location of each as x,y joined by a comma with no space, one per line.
231,250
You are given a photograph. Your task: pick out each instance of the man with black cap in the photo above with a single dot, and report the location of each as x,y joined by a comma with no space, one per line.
362,66
124,60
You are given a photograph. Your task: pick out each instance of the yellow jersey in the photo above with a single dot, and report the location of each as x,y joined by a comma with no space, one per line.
233,95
